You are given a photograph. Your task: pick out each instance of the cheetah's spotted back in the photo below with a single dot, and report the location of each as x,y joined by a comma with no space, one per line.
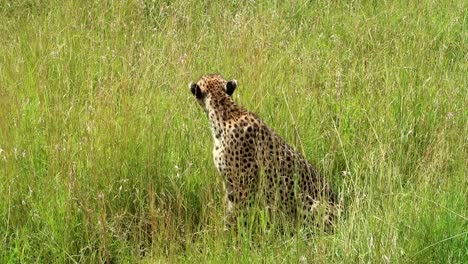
254,160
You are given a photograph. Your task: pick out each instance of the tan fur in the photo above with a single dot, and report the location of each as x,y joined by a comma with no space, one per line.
255,162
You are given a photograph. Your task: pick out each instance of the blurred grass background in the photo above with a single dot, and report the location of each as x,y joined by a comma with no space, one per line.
105,155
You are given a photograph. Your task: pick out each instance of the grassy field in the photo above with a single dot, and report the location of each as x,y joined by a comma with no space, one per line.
105,155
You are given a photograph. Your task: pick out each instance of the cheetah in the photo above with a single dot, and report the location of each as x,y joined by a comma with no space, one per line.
254,161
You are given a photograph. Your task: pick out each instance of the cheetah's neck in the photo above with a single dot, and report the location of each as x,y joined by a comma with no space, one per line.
220,110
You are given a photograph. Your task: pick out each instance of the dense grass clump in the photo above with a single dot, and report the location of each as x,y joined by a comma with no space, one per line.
105,155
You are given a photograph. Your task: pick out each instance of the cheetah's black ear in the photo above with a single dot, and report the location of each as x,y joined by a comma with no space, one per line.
195,89
231,86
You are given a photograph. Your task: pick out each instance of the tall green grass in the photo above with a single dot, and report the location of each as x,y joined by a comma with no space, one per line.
105,155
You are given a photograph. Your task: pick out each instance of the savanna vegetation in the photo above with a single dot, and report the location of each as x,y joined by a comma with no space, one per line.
106,156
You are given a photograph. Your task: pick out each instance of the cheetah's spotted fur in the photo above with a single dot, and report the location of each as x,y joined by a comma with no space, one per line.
254,160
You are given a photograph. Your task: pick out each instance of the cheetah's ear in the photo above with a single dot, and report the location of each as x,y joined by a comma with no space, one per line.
195,89
231,86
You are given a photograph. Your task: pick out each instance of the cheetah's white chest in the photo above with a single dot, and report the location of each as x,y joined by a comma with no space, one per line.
218,155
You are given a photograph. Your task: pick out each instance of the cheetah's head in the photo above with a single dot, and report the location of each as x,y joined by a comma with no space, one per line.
212,87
